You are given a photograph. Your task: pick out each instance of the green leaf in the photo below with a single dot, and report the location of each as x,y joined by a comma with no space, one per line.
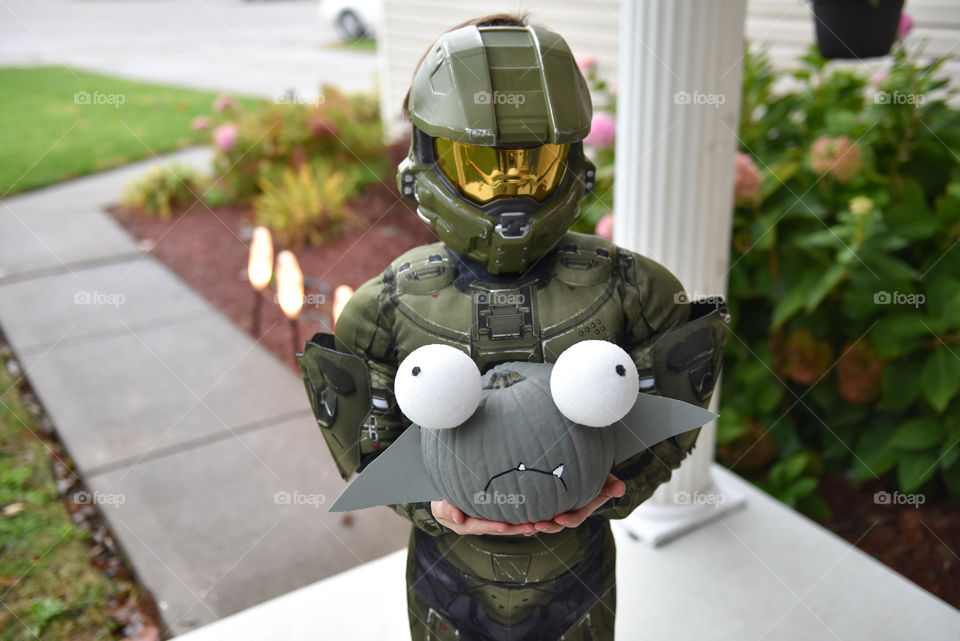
918,434
940,378
825,285
909,216
898,335
820,238
783,473
791,303
949,453
948,207
901,386
874,456
889,267
803,487
815,507
730,426
915,469
951,478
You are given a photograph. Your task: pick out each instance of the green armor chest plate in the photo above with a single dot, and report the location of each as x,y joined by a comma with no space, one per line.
534,318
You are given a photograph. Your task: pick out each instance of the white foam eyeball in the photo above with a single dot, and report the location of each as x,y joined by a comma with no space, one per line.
594,383
437,386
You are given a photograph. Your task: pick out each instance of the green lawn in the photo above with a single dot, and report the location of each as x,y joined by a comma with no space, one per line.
59,123
366,45
48,589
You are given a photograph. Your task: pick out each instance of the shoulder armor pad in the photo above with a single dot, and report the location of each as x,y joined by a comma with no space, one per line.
583,260
687,358
424,270
338,386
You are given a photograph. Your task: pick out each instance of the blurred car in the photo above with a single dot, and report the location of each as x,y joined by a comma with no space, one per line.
352,19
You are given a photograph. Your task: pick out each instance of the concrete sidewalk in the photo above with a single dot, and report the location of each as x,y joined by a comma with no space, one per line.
198,444
762,573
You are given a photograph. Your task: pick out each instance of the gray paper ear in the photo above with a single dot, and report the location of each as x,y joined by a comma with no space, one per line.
653,419
395,476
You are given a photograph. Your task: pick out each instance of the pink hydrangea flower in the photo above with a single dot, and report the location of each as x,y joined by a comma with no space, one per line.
604,227
200,123
905,26
587,63
879,76
840,157
603,131
223,102
225,136
746,177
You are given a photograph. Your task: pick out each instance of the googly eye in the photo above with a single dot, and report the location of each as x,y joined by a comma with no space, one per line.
594,383
437,387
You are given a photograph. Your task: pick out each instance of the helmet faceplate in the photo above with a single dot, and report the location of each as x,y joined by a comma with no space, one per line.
496,164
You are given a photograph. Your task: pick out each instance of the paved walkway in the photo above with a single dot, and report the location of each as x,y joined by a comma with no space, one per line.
253,48
198,443
762,573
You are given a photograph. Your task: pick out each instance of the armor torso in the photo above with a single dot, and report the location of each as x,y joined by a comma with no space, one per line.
572,296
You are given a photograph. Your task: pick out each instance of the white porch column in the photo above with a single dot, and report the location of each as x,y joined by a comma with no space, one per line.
677,117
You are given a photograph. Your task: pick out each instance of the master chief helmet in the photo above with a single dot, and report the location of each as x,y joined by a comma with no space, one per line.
496,162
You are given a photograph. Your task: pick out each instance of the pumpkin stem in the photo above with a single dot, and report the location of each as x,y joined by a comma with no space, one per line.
503,379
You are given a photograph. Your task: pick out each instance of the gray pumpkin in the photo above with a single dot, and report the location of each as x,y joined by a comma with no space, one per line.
499,447
517,458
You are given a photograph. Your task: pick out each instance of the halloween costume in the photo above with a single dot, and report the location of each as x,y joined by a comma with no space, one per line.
497,168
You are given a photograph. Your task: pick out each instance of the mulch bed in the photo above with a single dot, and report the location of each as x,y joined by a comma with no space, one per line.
209,251
920,542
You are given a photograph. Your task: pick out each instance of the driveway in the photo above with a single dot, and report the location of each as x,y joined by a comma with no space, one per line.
257,48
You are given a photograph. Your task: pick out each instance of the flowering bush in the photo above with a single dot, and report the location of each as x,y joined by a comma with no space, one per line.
597,205
258,146
845,280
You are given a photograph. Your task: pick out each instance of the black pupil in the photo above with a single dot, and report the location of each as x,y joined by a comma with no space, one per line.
416,370
621,370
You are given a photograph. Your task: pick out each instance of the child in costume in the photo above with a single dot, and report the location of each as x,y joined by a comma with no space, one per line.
499,110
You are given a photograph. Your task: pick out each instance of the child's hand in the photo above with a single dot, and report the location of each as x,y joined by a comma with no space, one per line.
457,521
613,488
460,523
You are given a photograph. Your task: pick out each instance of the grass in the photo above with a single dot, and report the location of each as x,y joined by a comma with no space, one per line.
48,588
365,45
53,135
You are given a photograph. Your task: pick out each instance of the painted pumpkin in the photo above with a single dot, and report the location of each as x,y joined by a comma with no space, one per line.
517,458
525,442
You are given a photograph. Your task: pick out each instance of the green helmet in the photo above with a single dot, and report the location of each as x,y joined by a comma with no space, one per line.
496,161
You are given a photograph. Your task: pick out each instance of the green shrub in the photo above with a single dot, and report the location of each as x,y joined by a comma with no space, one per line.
341,129
845,277
306,206
163,188
844,280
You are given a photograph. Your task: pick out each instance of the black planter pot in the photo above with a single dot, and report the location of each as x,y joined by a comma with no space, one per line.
856,28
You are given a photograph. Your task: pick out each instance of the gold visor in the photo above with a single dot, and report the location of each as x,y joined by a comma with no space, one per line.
483,174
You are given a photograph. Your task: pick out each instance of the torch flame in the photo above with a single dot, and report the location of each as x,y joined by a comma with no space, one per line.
260,264
340,297
289,284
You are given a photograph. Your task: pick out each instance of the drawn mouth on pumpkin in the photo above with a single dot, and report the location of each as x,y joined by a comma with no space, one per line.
523,469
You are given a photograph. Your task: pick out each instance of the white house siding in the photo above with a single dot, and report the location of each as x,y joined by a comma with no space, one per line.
783,27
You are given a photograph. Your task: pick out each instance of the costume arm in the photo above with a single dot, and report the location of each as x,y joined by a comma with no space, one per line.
654,302
364,330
